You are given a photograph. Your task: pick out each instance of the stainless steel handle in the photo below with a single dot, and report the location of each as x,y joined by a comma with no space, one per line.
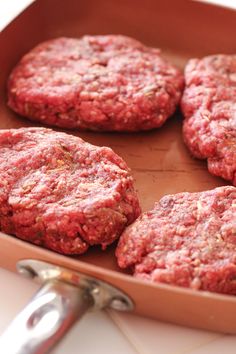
63,298
49,315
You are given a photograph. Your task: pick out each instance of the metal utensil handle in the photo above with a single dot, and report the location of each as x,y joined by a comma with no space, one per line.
49,315
63,298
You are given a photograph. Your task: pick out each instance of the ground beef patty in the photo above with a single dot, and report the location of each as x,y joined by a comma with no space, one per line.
188,239
111,83
62,193
209,107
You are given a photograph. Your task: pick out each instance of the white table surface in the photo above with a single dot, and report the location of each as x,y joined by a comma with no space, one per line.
109,333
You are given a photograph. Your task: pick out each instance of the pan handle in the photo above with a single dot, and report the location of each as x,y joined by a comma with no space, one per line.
64,297
48,316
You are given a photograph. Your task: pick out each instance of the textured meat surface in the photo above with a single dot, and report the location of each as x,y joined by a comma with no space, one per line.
111,83
188,239
62,193
209,107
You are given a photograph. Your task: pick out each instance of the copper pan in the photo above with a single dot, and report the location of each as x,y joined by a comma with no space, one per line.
159,160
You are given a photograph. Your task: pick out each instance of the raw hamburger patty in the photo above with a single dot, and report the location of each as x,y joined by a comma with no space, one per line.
62,193
188,239
111,83
209,107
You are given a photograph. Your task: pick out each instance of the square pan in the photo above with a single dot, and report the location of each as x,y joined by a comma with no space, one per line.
159,160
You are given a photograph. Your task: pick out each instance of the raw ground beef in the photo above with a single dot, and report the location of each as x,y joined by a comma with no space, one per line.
188,239
60,192
209,107
104,83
